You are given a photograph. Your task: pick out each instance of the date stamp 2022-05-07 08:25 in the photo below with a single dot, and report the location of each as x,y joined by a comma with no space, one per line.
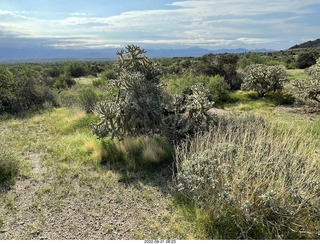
159,241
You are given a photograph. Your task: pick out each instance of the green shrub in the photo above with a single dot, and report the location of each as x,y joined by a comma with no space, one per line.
306,59
108,75
249,59
254,181
23,88
165,62
7,89
64,81
55,71
88,98
181,84
76,69
67,98
9,165
99,82
218,88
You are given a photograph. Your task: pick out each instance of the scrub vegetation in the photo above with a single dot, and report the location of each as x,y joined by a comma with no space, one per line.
217,147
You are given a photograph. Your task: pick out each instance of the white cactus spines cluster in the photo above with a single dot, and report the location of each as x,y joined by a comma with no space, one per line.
263,79
309,88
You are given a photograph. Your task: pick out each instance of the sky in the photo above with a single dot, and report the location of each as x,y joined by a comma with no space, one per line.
210,24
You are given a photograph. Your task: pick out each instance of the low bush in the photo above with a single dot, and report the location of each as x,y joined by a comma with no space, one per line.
68,98
64,81
108,75
99,82
253,180
9,165
181,84
76,68
218,88
88,98
23,88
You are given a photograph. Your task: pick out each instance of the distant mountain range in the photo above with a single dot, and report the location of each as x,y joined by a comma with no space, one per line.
51,54
308,44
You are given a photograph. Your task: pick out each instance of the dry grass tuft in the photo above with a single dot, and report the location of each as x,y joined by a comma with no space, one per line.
89,146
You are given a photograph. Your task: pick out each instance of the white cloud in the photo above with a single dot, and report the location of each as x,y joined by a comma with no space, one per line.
247,7
203,23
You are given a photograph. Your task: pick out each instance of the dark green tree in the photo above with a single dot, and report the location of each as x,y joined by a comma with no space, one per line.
7,87
305,60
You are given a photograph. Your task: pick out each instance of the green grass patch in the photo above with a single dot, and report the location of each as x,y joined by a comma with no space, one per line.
242,96
296,74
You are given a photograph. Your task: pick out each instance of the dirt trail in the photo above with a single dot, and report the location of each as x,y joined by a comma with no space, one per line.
80,202
122,212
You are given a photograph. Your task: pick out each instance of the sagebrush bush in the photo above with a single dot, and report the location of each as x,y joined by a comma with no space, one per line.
9,165
253,180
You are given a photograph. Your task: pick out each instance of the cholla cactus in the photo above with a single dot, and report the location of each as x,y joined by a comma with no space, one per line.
263,79
309,88
188,115
139,106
